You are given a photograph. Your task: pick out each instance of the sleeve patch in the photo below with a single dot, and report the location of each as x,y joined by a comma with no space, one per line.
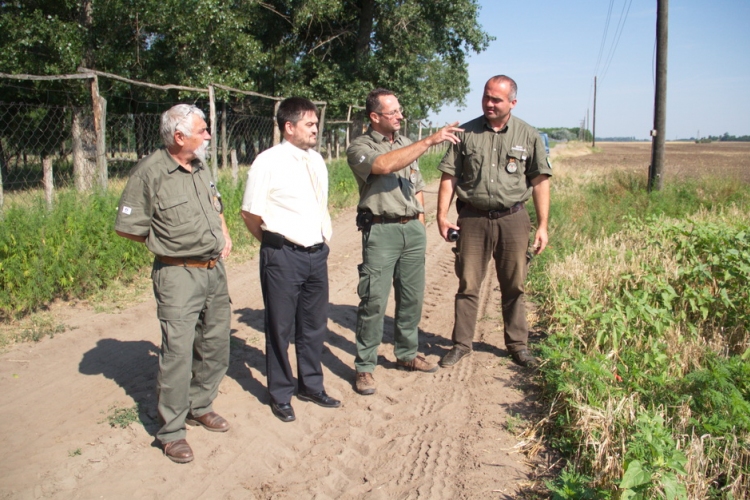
127,210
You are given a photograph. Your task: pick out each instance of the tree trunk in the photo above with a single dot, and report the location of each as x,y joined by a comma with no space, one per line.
364,36
84,150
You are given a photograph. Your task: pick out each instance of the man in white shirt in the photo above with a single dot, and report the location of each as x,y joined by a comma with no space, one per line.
285,207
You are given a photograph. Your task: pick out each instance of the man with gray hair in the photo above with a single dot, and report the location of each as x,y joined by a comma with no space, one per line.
171,204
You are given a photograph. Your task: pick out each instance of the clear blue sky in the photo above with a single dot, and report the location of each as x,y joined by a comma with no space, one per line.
551,49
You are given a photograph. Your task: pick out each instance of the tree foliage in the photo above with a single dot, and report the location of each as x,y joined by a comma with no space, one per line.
332,50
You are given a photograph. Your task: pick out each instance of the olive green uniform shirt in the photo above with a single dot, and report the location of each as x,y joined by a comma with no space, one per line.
176,210
389,195
494,169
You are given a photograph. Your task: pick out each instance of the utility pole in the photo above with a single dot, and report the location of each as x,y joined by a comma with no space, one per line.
659,132
593,137
588,121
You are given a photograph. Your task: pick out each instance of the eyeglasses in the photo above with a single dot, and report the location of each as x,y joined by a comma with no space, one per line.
391,114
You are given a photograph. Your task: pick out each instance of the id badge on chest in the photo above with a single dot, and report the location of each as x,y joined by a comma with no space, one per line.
413,175
512,166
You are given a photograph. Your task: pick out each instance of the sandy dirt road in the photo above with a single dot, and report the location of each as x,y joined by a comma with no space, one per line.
433,436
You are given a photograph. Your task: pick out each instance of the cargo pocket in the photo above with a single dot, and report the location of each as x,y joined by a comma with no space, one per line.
363,288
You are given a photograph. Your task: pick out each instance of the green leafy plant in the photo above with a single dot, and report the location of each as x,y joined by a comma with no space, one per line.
122,417
653,462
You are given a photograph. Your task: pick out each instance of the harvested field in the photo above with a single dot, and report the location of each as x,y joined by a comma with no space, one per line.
683,159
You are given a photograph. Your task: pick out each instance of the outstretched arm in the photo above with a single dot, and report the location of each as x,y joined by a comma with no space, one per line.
397,159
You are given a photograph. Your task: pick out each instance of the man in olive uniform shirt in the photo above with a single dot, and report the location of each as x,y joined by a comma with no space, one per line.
391,218
171,204
499,164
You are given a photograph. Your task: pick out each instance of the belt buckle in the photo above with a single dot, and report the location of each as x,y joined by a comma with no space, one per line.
404,220
494,214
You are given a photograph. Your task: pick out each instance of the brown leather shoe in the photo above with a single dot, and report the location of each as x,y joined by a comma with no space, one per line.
365,384
453,356
211,421
418,364
525,359
178,451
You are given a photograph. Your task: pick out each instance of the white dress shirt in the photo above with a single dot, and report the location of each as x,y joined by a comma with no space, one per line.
280,192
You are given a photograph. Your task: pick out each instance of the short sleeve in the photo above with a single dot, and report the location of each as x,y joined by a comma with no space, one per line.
450,164
258,185
361,156
540,164
136,208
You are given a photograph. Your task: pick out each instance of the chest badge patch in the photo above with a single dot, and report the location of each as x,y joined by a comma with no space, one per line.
511,167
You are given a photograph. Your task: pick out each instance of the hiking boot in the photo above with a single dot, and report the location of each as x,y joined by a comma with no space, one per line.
453,356
365,384
178,451
525,359
418,364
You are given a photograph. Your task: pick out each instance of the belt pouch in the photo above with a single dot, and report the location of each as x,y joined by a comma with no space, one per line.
273,240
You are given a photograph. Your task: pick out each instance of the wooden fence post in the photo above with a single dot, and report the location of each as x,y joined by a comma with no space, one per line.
224,146
99,106
321,126
276,131
49,181
235,167
214,146
2,196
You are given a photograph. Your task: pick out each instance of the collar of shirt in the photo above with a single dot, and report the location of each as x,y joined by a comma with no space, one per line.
503,130
297,153
172,164
378,137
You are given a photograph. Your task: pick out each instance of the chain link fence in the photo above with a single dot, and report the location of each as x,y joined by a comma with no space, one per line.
49,147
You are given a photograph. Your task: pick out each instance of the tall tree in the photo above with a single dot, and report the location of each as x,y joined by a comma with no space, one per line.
338,50
333,50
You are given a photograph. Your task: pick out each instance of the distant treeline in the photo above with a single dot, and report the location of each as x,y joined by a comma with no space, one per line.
567,134
576,133
723,138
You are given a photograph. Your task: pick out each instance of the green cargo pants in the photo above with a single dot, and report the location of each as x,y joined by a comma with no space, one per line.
391,253
194,312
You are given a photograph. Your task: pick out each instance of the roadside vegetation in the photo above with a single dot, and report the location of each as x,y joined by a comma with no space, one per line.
72,251
646,369
644,299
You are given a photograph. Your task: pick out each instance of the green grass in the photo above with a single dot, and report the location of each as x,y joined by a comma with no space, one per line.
68,252
121,416
645,373
72,251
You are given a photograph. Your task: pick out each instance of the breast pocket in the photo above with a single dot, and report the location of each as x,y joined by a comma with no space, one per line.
471,169
174,211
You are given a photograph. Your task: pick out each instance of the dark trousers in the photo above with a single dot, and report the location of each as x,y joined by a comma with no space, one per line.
295,296
506,241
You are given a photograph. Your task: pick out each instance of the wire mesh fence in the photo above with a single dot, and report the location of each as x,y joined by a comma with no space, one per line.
55,139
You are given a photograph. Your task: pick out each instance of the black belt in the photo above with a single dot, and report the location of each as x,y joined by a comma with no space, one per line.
300,248
276,240
376,219
495,214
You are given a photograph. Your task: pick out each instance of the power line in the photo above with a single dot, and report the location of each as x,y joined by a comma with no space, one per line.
618,34
604,38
